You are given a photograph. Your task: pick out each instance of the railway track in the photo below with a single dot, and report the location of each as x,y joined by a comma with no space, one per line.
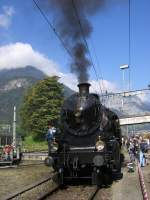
21,165
80,193
37,191
94,193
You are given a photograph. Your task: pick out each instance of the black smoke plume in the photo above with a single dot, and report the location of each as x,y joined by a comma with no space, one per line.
67,14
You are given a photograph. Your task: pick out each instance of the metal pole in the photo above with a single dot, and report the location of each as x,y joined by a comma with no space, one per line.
124,67
14,128
123,80
127,132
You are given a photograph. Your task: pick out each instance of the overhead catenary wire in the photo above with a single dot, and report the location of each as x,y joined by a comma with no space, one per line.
53,28
61,40
79,22
129,43
94,89
98,64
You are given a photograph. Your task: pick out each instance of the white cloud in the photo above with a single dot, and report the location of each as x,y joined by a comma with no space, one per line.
22,54
5,17
8,10
144,97
103,86
96,86
70,80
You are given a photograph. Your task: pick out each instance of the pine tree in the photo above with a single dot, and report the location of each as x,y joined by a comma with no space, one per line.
42,105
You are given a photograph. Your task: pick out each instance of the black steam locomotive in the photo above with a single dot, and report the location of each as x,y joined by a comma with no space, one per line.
89,142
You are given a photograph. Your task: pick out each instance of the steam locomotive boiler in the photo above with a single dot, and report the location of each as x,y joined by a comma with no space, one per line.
89,141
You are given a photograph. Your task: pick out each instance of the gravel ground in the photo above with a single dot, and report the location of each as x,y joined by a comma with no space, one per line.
128,188
104,194
14,179
37,192
72,193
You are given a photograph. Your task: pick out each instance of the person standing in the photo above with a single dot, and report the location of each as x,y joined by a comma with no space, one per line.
131,152
142,156
8,151
50,136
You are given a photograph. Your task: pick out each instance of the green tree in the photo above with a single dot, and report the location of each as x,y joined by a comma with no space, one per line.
42,104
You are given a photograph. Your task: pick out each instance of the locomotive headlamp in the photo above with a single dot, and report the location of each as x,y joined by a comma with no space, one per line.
99,144
78,114
81,108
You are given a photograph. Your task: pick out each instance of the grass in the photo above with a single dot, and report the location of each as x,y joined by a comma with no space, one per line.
30,145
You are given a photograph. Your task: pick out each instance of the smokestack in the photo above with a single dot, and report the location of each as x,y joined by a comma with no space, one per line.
84,88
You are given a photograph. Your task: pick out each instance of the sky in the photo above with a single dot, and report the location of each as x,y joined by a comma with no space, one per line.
26,39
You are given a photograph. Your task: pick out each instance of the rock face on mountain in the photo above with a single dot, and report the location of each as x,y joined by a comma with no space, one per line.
13,84
127,106
28,71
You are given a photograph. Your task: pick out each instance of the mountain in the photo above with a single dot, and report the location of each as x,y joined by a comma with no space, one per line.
125,106
13,85
28,71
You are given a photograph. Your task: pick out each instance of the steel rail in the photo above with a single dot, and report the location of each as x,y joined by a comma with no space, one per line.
92,196
94,193
28,188
49,193
20,165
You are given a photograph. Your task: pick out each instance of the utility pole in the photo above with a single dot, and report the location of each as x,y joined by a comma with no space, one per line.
14,128
123,68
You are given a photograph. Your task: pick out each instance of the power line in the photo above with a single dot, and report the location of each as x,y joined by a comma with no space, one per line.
98,63
53,28
79,22
94,89
59,37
